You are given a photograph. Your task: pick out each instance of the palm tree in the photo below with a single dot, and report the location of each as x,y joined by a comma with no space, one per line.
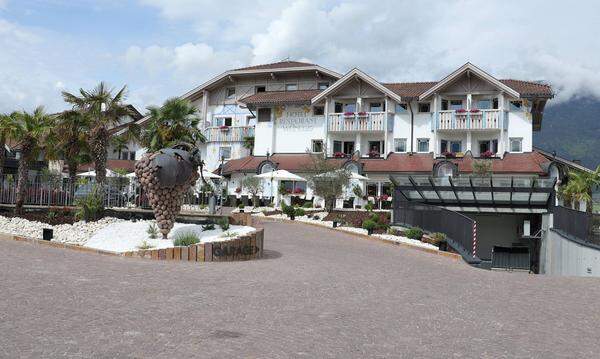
103,110
5,127
69,140
119,144
579,188
175,122
29,130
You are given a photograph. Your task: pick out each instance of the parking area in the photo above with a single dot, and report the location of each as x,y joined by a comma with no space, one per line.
317,294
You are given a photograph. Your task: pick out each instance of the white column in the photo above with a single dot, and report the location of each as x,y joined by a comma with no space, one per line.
468,141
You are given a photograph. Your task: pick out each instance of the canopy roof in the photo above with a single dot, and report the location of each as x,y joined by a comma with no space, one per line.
511,192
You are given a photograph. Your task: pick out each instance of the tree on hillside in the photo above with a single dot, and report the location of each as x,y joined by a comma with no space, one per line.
103,110
176,121
30,131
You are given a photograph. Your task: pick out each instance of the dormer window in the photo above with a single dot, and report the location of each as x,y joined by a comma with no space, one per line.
291,87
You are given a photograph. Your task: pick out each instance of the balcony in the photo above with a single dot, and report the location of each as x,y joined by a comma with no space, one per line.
471,120
228,134
359,122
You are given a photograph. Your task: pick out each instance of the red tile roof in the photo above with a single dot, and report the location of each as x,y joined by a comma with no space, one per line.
409,90
512,163
280,97
276,65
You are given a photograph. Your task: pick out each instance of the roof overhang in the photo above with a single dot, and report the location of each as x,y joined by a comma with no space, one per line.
353,74
468,67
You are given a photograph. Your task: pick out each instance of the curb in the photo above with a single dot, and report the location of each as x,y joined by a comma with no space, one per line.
449,255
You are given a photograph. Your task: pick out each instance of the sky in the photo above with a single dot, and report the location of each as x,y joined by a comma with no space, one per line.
163,48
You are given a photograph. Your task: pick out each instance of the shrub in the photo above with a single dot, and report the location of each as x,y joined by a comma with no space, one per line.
52,214
369,206
437,238
369,224
241,206
224,224
288,210
186,239
414,233
90,207
152,231
144,245
307,205
375,217
299,212
208,227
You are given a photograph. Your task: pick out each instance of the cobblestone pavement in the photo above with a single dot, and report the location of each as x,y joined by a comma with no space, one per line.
318,294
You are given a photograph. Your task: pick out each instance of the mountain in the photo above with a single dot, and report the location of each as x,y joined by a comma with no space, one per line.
572,129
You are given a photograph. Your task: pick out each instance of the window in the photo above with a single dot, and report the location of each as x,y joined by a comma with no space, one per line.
401,108
318,110
230,92
317,146
516,144
375,107
125,155
221,121
484,104
456,104
348,147
372,189
495,103
399,144
323,85
349,107
376,146
443,146
337,146
258,89
444,105
424,107
423,145
291,87
339,107
515,105
264,114
456,146
224,153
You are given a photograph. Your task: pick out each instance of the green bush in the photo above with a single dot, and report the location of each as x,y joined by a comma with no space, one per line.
375,217
241,206
152,231
145,245
288,210
224,224
299,212
90,207
307,205
437,238
52,214
186,239
369,206
208,227
369,224
414,233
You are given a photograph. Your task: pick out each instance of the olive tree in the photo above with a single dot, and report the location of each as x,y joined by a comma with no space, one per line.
326,179
254,186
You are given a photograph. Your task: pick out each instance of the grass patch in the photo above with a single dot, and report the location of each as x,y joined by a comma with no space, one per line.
186,239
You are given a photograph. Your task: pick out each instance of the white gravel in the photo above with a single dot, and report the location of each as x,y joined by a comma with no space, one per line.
129,236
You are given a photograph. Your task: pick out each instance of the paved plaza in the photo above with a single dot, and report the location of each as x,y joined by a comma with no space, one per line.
317,294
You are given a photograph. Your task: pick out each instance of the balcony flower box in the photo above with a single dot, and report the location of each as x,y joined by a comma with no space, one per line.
461,110
488,154
374,154
238,190
384,198
339,155
298,191
474,110
224,128
449,154
362,114
348,114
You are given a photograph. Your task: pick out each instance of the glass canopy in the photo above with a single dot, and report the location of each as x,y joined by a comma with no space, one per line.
488,191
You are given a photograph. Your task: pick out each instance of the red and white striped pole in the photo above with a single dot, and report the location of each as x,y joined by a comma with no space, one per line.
474,238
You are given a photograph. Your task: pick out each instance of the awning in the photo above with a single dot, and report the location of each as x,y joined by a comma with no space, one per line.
476,191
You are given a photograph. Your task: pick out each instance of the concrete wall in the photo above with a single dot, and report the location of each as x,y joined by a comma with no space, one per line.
566,257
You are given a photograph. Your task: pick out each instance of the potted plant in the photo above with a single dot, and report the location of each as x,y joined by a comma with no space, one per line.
241,207
374,154
384,197
474,110
339,155
487,154
290,211
362,114
348,114
461,110
369,225
224,128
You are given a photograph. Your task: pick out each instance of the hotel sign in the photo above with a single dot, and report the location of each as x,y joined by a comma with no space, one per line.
298,118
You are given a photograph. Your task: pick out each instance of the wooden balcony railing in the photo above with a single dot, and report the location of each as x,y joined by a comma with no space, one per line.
480,120
229,134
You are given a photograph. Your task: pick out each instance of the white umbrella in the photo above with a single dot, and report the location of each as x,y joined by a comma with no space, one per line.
209,175
281,175
92,173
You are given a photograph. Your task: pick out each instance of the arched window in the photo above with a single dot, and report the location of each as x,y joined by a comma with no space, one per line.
266,167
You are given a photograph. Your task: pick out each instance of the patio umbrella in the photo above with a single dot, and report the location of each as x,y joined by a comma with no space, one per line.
92,173
281,175
209,175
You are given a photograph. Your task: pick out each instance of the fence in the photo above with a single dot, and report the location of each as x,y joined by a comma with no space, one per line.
582,225
120,192
459,229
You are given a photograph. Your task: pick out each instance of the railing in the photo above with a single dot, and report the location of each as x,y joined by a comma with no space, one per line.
582,225
480,120
228,134
120,192
358,122
459,229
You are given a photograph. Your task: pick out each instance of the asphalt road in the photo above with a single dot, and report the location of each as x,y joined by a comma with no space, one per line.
318,294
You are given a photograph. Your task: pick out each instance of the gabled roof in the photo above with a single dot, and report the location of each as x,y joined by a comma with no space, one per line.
409,90
352,74
283,66
460,71
280,97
